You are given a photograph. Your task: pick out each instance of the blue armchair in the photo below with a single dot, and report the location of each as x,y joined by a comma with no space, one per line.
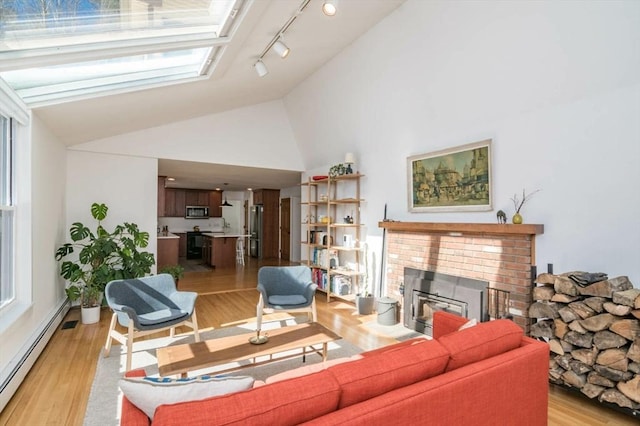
287,288
145,306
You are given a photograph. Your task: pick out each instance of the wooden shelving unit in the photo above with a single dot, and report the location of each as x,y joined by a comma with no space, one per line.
332,228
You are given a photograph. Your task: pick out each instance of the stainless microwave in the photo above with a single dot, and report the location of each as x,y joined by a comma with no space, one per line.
196,212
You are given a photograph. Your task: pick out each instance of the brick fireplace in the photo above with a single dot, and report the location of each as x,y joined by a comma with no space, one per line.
500,254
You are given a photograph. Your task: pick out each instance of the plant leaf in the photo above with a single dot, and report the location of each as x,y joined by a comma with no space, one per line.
99,211
73,292
63,251
79,232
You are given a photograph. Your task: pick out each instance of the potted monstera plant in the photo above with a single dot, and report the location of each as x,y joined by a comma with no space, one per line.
101,256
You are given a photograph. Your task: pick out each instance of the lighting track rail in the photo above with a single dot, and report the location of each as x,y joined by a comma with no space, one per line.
276,42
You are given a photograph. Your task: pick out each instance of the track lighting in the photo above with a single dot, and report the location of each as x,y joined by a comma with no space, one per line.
261,68
329,7
281,49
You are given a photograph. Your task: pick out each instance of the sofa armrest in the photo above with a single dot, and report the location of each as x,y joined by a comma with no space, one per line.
445,323
130,414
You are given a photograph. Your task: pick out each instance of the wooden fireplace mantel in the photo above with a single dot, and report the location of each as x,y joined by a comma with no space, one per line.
481,228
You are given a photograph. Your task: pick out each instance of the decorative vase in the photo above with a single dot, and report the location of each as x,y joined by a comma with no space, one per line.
516,219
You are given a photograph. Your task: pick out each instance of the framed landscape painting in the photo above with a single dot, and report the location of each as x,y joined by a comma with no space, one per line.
456,179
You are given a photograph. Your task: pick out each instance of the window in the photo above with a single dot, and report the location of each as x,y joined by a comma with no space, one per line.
7,212
67,49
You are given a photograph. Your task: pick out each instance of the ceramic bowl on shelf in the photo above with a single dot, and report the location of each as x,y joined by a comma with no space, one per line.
319,177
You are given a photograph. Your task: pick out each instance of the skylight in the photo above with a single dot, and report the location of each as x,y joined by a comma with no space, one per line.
67,49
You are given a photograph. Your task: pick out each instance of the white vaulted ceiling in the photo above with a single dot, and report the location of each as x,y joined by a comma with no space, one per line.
313,39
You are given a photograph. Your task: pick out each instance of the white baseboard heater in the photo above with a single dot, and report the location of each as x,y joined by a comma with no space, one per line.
30,353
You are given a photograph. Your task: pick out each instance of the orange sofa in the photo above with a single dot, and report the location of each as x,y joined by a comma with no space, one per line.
488,374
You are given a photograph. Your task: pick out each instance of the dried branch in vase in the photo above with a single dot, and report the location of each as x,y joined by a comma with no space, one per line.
517,203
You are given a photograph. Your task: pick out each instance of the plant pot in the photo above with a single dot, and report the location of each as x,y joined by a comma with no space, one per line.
365,305
90,315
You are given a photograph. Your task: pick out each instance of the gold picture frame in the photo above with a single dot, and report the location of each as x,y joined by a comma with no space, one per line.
451,180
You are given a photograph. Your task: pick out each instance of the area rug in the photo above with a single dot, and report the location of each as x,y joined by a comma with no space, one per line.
103,407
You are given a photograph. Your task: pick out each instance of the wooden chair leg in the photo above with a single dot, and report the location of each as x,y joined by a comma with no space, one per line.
112,326
129,345
314,311
194,324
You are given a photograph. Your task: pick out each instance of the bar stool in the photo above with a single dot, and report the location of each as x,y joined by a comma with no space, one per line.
240,251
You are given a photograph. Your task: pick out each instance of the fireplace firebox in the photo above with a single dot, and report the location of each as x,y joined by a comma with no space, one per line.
429,291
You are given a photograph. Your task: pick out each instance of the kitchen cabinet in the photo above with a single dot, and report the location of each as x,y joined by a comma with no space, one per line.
258,196
219,252
207,250
169,202
196,197
161,195
179,207
191,198
224,252
174,202
215,201
203,198
167,252
182,244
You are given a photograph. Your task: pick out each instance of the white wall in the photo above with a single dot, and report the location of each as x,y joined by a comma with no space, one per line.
47,206
126,184
556,85
254,136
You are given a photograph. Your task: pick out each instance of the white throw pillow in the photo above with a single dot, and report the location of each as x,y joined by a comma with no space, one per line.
469,324
147,393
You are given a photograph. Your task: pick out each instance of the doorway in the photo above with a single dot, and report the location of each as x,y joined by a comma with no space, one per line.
285,229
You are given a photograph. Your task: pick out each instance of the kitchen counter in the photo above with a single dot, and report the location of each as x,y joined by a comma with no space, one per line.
168,249
169,235
219,248
224,235
184,231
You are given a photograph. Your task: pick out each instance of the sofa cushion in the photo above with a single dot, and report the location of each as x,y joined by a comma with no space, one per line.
394,347
288,402
147,393
485,340
471,323
377,374
445,323
308,369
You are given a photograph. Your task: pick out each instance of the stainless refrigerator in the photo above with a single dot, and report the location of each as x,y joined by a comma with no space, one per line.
255,241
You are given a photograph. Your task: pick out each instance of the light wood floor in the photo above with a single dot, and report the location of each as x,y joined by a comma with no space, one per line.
55,391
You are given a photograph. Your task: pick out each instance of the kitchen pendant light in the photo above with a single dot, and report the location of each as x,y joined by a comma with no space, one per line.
226,203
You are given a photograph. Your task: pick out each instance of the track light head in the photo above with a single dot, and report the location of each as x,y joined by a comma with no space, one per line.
329,7
281,49
261,68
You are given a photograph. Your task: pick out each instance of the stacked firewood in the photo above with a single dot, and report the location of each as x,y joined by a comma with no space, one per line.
593,333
